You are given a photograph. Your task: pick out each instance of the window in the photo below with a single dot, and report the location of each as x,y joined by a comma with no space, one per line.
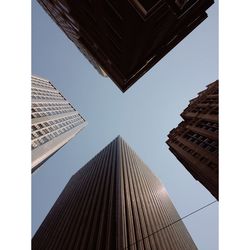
39,133
46,130
34,128
210,126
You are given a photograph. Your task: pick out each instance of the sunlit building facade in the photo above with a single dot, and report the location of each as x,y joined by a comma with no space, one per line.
54,121
195,141
114,202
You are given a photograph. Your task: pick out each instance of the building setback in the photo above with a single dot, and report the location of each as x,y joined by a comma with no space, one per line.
54,121
114,202
195,141
126,38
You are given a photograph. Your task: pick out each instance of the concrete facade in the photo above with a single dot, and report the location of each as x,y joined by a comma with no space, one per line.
195,141
53,121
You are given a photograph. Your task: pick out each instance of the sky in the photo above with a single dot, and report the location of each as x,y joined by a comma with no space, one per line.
143,116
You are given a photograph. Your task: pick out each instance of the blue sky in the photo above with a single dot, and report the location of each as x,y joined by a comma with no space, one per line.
143,116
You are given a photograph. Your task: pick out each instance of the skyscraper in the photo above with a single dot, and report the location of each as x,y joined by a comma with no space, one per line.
195,141
114,202
126,38
54,121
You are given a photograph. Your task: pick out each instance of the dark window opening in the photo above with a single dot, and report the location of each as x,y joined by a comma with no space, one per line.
34,128
39,133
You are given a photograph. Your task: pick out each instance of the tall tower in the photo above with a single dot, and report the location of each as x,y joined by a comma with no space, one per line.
114,202
195,141
126,38
54,121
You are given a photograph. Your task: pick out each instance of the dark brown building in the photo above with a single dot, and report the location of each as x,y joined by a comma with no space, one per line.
113,203
125,38
195,141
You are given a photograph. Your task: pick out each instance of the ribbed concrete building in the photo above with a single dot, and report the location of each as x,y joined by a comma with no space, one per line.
54,121
126,38
195,141
114,202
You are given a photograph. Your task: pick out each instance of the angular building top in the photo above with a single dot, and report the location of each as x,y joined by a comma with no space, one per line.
54,121
195,141
126,38
113,203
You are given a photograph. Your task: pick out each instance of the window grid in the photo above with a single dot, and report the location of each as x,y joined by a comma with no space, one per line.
39,84
51,112
43,132
210,126
196,155
42,83
51,104
202,141
45,94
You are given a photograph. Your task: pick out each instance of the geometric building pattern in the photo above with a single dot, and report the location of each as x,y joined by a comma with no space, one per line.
195,141
54,121
125,39
114,202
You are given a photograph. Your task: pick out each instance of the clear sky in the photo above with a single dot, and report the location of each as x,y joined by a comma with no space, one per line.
143,116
